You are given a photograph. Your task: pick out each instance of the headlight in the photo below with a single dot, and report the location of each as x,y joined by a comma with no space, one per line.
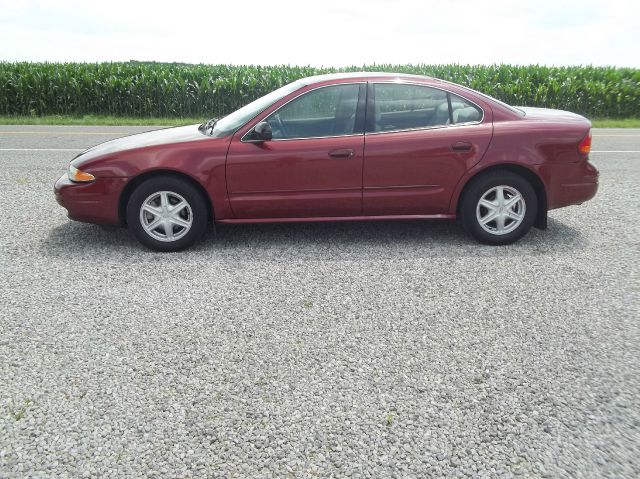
79,176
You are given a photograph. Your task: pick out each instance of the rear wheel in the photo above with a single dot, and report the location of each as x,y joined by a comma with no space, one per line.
167,214
499,208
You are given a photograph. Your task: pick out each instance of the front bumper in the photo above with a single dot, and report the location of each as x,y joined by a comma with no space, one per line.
94,202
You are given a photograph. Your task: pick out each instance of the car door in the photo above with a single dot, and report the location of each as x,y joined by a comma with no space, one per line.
419,142
312,166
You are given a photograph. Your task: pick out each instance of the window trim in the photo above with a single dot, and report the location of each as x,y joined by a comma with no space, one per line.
360,112
371,109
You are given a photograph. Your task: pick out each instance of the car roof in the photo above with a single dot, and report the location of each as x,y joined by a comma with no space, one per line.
363,76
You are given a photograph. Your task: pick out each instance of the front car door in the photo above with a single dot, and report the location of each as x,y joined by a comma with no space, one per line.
313,164
420,141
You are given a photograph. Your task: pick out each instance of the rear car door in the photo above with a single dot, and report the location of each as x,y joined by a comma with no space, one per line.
420,141
313,164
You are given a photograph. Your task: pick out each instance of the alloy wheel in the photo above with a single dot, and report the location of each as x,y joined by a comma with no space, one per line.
501,210
166,216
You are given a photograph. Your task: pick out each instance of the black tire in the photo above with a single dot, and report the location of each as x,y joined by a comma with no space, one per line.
195,211
483,185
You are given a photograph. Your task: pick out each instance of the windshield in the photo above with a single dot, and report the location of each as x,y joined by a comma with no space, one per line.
235,120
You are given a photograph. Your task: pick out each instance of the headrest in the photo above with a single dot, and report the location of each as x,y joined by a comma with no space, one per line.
467,114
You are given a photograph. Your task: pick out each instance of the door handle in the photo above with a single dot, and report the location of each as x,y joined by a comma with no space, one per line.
461,146
341,154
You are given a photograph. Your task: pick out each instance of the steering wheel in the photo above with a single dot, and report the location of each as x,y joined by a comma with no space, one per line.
279,124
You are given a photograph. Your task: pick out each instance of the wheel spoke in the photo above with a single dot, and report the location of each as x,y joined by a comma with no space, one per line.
489,218
152,209
512,201
168,229
500,223
174,209
164,200
500,195
513,215
488,204
176,220
153,225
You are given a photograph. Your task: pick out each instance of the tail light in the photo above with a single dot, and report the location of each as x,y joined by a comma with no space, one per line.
584,147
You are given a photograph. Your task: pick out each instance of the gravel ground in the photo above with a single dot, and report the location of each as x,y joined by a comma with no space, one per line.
399,349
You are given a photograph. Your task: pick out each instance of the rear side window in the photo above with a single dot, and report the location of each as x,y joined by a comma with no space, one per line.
326,111
406,107
463,111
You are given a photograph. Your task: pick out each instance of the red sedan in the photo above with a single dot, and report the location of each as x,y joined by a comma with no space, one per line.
349,146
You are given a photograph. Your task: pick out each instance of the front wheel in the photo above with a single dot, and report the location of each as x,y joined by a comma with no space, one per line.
499,208
167,214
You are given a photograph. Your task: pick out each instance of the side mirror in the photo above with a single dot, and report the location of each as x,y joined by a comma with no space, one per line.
261,132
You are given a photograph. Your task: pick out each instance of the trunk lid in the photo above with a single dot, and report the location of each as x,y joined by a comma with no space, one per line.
549,114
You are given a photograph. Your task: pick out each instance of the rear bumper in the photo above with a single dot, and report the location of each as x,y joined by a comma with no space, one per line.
95,202
572,184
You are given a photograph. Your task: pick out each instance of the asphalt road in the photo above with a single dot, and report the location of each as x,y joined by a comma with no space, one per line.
400,349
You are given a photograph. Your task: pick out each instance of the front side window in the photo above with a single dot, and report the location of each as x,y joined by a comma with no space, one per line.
404,107
326,111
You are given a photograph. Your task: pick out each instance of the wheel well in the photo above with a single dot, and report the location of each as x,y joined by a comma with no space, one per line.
138,180
533,179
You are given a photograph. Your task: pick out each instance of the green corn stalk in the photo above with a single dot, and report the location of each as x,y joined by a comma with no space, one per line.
149,89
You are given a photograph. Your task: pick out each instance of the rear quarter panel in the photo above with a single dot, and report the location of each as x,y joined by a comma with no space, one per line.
547,149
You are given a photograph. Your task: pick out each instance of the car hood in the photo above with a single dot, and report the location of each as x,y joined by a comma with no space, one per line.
550,114
163,136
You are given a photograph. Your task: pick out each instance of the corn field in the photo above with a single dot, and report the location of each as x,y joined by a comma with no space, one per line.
140,89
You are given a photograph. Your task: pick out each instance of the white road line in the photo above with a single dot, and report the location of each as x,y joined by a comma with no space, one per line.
42,149
58,133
